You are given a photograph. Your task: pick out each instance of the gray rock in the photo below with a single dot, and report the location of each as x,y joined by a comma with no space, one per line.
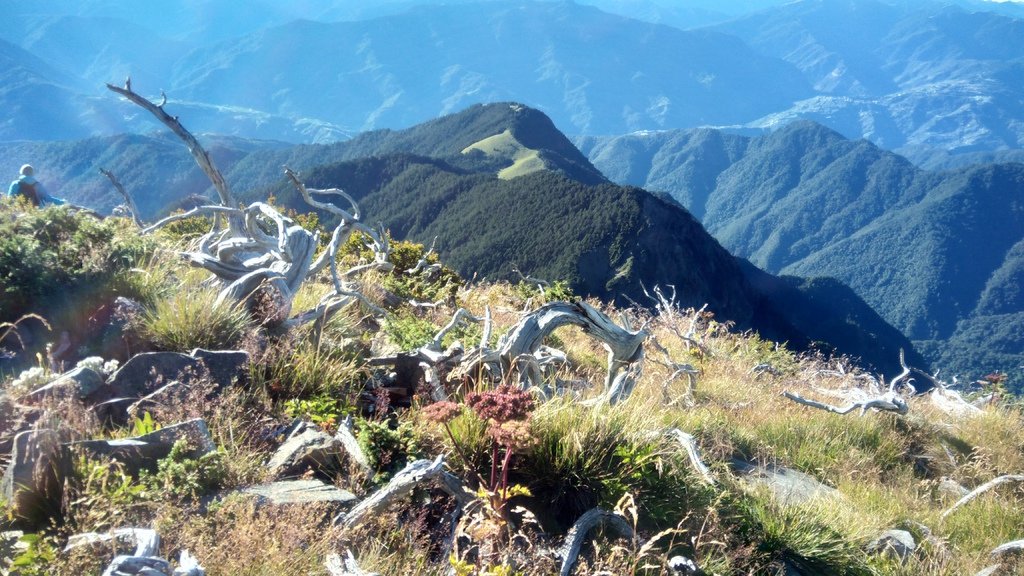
225,367
32,483
306,447
951,488
300,492
897,544
11,544
81,383
144,373
143,452
789,486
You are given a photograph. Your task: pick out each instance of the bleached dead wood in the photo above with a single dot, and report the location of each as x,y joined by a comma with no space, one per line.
540,283
995,482
669,314
1016,546
689,443
870,399
128,199
883,403
198,152
351,446
400,486
577,535
146,540
263,253
336,566
678,370
625,347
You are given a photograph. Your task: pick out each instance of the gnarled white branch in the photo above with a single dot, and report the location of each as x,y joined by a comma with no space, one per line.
577,535
982,489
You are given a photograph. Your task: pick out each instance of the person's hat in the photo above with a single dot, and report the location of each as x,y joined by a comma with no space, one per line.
27,170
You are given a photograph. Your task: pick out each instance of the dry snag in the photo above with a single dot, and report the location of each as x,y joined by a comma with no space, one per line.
261,257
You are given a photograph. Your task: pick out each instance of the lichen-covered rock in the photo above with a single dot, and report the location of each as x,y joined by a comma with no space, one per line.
306,447
32,483
897,544
143,452
81,383
300,492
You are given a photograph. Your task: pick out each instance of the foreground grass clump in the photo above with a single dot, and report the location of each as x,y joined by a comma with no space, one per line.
193,318
533,464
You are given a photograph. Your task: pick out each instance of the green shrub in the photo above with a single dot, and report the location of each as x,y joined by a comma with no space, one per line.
409,332
50,255
183,477
389,445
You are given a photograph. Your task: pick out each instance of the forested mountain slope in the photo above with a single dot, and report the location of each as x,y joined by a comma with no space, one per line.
500,187
929,250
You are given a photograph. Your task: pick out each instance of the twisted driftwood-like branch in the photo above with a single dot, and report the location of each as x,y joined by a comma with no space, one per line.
888,401
400,486
668,311
198,152
624,347
577,535
1008,548
689,443
884,403
336,566
129,201
982,489
263,251
539,282
678,370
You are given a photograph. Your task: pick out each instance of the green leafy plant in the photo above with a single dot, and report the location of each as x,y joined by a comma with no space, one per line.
102,494
37,558
324,411
142,425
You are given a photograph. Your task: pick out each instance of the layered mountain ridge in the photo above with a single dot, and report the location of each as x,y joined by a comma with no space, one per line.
929,250
932,80
561,219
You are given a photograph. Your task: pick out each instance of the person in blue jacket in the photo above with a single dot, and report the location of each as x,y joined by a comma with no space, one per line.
30,188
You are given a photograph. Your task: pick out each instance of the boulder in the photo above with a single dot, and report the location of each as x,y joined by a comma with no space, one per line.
790,487
299,492
143,452
33,480
306,447
80,383
897,544
225,367
146,372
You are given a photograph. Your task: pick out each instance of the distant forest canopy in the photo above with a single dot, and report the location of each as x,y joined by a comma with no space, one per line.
937,253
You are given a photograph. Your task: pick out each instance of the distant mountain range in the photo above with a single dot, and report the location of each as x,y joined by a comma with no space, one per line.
500,187
938,254
927,78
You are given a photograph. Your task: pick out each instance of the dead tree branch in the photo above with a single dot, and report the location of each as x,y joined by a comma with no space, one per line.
336,566
689,443
577,535
129,201
198,152
995,482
